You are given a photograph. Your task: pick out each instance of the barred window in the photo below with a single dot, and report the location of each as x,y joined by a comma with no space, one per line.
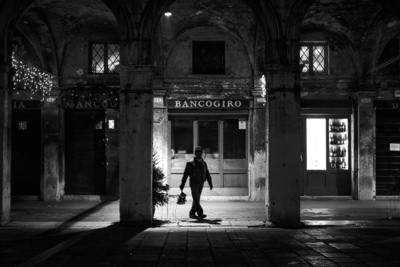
314,58
104,57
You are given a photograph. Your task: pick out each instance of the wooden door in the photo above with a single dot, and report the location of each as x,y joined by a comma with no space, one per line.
85,152
387,151
26,152
224,149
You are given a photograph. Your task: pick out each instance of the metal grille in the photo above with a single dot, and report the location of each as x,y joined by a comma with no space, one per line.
319,58
98,58
313,58
304,52
113,57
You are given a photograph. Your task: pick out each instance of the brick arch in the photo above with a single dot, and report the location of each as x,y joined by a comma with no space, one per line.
264,12
376,39
10,13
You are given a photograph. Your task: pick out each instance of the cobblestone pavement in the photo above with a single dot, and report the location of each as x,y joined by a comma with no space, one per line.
87,233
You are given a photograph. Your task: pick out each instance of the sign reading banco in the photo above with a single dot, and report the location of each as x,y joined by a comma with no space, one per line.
91,104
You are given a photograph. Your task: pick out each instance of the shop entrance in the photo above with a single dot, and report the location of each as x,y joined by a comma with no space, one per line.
26,152
387,150
224,144
326,164
85,170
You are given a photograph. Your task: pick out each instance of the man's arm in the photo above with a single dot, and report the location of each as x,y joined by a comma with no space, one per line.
185,176
208,177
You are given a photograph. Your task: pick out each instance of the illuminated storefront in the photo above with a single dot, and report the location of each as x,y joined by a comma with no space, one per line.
220,126
327,150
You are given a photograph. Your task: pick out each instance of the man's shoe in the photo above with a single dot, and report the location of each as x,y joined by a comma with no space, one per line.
193,216
201,217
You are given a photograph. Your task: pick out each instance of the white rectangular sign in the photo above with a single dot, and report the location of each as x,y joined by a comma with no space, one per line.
242,125
394,147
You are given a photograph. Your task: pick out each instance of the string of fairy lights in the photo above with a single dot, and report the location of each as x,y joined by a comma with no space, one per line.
33,80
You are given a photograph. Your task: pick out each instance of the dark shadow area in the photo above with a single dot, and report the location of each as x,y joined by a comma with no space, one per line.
53,248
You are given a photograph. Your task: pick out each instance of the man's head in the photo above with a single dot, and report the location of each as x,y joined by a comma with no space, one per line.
198,152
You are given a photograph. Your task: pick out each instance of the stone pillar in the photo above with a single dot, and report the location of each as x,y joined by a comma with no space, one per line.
258,149
283,145
366,182
5,137
136,143
51,189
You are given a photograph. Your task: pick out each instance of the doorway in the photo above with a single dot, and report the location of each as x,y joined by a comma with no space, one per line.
326,156
224,141
26,152
85,168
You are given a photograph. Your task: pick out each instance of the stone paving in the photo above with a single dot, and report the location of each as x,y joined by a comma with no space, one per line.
89,234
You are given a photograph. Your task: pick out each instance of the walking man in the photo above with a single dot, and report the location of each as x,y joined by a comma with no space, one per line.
198,172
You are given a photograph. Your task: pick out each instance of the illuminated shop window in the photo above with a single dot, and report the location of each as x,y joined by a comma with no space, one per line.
104,57
182,137
208,137
314,58
23,125
316,144
234,139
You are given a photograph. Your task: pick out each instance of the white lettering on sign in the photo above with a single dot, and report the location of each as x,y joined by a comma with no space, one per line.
207,104
19,105
92,104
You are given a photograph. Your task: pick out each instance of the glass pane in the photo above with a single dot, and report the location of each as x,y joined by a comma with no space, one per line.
338,144
304,58
97,58
234,140
208,138
316,144
113,57
318,59
182,137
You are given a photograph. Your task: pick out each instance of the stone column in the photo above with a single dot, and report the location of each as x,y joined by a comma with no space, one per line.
51,189
5,137
283,145
366,182
136,143
258,149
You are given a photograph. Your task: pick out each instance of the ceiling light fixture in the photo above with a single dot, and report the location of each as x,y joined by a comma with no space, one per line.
168,13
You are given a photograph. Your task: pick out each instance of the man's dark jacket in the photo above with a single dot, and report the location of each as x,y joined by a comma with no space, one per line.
198,172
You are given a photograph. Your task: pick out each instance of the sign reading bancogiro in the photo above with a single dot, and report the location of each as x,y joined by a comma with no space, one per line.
204,103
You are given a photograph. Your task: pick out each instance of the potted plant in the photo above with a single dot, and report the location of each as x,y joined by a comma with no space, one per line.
160,190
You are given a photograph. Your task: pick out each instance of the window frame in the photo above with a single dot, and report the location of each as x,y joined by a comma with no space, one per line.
105,59
311,45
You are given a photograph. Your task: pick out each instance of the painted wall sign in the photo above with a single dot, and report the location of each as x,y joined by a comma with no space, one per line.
387,104
207,103
394,147
26,104
92,104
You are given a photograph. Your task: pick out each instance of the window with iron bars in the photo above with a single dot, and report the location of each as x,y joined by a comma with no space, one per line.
314,58
104,57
